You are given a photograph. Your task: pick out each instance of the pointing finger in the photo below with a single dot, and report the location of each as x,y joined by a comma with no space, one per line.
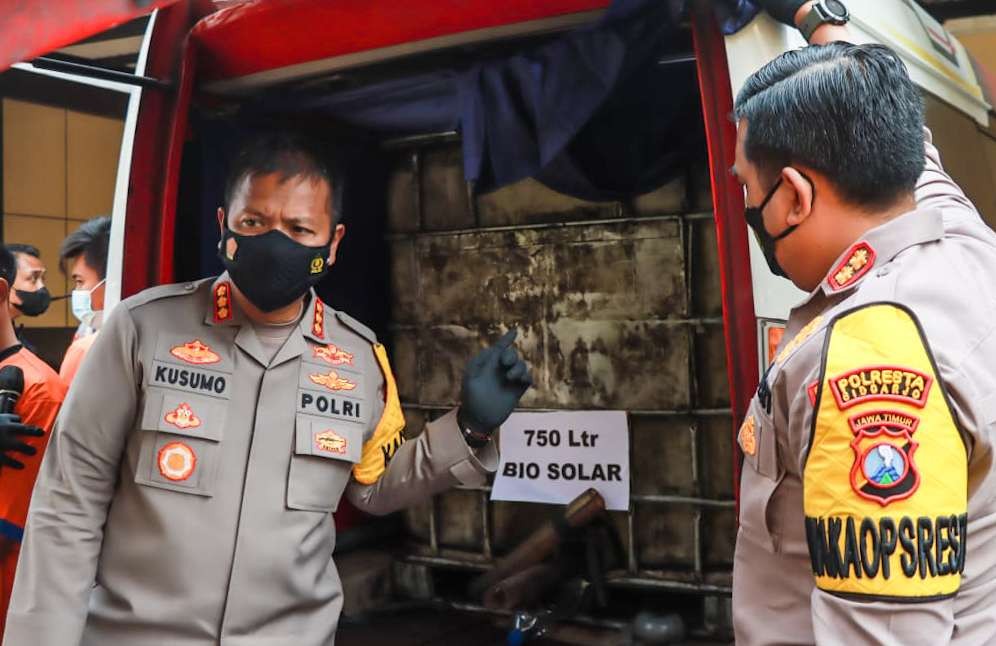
508,339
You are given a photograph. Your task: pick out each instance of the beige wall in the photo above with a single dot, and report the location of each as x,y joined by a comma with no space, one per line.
59,168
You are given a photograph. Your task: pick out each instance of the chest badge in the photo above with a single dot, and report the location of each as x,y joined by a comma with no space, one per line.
748,436
195,352
858,262
177,461
330,442
884,469
333,354
183,417
332,381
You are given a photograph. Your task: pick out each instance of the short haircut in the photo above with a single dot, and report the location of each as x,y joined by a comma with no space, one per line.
8,265
91,240
17,247
848,111
288,154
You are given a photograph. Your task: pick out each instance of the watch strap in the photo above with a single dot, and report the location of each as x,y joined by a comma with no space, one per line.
817,17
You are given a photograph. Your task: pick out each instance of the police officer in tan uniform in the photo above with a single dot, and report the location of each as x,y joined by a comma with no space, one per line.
187,491
868,494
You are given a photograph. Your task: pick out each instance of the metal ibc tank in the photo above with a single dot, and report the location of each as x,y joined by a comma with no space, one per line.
618,307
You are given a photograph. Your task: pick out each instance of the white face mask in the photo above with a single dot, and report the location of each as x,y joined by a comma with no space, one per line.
82,304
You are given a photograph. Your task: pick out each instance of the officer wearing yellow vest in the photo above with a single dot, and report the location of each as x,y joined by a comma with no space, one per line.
186,494
868,448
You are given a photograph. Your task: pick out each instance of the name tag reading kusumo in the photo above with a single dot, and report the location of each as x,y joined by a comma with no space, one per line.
553,457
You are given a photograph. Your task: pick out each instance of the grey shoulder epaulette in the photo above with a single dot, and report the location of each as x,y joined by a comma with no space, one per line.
356,326
163,291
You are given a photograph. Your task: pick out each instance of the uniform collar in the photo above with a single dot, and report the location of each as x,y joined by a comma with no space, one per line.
879,246
223,312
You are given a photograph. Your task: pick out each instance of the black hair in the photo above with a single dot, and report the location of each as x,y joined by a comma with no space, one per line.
289,154
17,247
8,265
91,240
848,111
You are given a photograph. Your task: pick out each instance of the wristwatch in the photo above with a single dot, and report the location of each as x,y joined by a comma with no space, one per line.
824,12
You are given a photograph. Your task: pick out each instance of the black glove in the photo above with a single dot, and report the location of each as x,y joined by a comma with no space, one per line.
493,383
12,431
782,10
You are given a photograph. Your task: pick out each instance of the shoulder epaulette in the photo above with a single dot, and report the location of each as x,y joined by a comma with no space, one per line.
163,291
356,326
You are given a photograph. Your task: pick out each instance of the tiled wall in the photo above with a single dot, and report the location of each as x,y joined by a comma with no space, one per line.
59,168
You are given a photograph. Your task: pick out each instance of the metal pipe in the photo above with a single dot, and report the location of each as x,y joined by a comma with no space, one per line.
551,225
97,72
682,500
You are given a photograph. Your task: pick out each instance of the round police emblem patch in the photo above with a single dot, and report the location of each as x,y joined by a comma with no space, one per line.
884,465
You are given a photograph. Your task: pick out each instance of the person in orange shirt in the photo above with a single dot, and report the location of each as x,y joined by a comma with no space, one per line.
83,256
23,434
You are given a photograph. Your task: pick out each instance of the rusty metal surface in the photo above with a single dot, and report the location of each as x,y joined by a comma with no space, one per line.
618,306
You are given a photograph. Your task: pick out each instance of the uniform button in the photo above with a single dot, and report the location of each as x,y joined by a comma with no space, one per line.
189,287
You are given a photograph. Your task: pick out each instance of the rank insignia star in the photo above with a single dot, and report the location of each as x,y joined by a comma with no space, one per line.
857,262
318,322
222,302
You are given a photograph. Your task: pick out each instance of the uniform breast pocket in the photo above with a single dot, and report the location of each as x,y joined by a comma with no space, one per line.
761,473
181,442
322,463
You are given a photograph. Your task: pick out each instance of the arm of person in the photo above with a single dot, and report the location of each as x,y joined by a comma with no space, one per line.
64,533
935,187
393,474
885,485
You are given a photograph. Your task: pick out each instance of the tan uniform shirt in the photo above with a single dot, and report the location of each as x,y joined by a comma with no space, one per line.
187,491
940,262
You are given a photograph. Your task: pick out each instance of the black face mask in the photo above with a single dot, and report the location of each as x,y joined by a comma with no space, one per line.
33,303
755,219
272,270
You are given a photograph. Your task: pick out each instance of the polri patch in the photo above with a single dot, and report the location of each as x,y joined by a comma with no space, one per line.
177,461
195,352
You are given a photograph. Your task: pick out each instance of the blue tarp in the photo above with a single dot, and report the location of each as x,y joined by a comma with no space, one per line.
591,114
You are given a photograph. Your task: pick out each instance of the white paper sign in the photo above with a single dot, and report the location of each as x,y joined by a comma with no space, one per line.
554,457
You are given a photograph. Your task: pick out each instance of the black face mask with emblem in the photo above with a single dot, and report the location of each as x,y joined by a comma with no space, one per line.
272,270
